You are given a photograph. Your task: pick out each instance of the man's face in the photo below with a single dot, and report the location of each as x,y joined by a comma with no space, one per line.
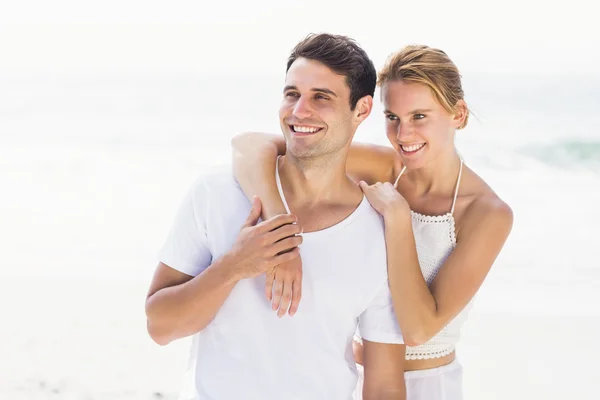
315,113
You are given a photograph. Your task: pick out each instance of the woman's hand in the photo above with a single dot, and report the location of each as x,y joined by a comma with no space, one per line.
284,287
385,198
357,350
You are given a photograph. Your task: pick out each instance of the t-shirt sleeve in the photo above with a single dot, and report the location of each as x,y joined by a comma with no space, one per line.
186,247
378,322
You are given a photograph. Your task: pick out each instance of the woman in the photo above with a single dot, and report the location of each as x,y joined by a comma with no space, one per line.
444,225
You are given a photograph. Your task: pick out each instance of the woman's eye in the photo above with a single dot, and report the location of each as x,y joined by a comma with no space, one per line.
419,116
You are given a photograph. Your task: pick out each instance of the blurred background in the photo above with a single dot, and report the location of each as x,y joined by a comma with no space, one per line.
109,110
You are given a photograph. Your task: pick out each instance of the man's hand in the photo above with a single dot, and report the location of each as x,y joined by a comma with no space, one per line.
261,247
284,286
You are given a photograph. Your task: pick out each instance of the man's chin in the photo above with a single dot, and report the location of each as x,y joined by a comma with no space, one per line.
302,151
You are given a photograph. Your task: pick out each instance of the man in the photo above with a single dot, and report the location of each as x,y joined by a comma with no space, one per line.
210,281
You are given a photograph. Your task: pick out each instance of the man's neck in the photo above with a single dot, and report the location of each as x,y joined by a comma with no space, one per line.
318,191
315,180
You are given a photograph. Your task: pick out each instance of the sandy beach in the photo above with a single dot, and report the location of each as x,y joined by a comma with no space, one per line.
85,339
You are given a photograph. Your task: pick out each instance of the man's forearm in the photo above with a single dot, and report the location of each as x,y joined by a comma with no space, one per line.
183,310
384,365
398,394
384,386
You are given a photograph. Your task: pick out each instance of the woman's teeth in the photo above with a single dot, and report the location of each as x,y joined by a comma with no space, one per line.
412,148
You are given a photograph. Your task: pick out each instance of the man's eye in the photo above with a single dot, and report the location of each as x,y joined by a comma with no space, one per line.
391,117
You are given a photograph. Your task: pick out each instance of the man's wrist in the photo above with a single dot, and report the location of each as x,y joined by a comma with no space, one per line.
228,266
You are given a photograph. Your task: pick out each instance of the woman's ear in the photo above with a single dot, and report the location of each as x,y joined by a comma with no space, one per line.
461,114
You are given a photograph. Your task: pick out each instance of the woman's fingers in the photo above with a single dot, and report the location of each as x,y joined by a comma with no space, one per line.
269,284
286,298
296,295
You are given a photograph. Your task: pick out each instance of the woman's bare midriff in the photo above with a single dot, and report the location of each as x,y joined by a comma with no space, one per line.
410,365
414,365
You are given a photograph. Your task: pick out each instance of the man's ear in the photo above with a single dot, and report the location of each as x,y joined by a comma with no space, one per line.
363,108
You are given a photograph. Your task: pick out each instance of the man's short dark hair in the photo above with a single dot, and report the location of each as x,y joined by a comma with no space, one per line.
343,56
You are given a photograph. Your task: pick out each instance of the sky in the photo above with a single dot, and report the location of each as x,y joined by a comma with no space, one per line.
71,36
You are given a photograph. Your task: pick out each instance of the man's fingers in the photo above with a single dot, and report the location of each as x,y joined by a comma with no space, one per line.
285,257
276,222
254,215
285,245
269,284
283,232
296,295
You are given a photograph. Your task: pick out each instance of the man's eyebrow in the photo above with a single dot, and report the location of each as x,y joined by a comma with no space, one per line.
326,91
319,90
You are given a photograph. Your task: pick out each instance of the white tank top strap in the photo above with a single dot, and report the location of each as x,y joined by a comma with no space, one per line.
279,187
399,175
457,185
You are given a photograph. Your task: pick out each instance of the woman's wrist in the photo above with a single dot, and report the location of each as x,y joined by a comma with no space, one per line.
270,212
397,216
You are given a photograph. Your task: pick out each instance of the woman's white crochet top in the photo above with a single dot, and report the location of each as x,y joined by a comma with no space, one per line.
435,239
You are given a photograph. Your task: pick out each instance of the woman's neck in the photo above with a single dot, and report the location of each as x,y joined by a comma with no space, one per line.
437,177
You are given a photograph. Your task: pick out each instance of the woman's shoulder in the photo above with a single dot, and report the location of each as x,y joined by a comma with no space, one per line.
484,205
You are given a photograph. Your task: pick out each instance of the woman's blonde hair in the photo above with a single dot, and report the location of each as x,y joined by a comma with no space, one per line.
430,67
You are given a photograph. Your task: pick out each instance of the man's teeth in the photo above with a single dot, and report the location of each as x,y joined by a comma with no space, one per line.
304,129
413,147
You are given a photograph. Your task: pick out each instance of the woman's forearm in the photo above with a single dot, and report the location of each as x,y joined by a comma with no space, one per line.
254,158
414,304
255,155
372,163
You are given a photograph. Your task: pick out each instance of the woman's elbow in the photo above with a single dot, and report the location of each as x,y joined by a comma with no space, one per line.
243,139
416,337
239,138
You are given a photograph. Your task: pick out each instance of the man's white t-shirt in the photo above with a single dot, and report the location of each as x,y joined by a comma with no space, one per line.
249,353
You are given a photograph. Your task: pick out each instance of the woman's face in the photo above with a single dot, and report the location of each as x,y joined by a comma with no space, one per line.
417,126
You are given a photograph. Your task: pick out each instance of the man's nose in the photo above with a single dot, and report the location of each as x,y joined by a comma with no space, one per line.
302,109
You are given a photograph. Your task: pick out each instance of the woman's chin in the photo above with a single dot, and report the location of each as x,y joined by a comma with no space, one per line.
413,161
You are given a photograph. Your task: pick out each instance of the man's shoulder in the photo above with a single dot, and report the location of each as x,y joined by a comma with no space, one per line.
370,218
216,188
214,180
